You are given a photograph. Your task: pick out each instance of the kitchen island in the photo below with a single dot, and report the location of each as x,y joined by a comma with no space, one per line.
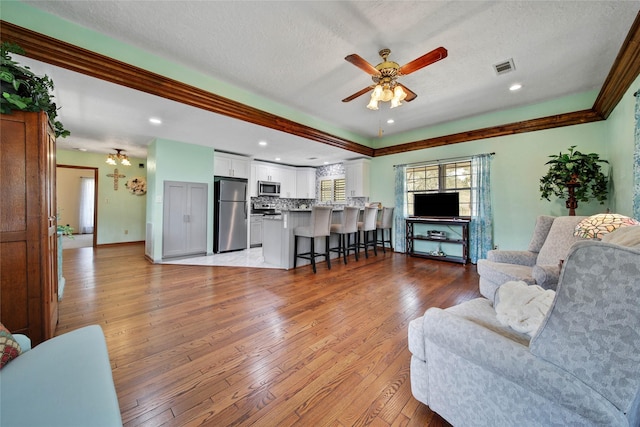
278,238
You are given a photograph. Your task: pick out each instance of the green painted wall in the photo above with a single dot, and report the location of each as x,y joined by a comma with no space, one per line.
520,162
175,161
620,140
118,210
566,104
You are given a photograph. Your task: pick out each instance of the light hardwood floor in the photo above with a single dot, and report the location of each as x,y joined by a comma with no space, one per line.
226,346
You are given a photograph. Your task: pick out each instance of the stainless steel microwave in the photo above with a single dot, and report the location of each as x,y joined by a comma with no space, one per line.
266,188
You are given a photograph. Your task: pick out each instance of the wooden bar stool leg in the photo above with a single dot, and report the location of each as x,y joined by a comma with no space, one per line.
375,248
326,252
366,244
313,254
345,248
355,250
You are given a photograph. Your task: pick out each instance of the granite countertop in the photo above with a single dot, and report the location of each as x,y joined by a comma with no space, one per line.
335,209
273,217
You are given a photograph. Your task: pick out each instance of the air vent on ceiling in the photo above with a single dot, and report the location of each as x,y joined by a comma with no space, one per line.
504,66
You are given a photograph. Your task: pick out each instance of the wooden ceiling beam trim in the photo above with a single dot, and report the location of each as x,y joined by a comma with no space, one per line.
65,55
624,71
559,120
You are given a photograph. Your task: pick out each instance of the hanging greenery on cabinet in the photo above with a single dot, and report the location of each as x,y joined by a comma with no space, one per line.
22,90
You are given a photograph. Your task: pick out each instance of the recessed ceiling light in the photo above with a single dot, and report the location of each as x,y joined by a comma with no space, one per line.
326,163
515,86
391,121
81,149
263,143
155,121
277,159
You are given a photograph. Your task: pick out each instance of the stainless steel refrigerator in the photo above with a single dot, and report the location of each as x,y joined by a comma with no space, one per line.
231,215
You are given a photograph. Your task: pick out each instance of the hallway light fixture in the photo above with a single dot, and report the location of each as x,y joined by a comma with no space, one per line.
112,159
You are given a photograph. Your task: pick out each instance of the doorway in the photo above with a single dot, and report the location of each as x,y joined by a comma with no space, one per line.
76,196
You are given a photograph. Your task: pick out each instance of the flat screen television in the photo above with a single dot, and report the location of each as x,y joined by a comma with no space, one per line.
436,204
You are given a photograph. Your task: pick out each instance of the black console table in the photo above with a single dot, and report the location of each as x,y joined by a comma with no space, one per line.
418,230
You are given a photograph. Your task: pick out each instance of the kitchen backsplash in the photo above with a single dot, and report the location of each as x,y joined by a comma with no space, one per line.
336,169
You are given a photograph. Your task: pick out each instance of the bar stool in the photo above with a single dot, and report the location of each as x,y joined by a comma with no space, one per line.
385,223
320,227
368,225
344,230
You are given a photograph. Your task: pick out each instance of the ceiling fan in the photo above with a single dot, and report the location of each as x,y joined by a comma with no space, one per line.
385,74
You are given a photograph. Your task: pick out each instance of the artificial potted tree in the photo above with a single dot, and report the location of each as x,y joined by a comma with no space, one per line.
576,177
22,90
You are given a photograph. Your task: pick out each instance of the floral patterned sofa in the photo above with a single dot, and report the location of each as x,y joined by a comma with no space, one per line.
581,366
539,264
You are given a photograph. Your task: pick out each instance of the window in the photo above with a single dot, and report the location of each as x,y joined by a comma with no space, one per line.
443,178
333,190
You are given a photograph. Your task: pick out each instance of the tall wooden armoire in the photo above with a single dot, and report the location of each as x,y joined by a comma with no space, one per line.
28,225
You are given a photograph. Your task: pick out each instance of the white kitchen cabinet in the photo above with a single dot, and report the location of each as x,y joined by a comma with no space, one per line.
184,223
287,183
268,172
230,165
256,230
306,183
357,177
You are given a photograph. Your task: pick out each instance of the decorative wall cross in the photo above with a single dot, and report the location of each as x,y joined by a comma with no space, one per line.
115,175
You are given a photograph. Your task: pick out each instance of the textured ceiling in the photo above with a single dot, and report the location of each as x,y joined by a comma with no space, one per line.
293,53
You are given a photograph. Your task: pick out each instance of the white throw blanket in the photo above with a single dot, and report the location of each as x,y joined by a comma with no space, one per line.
523,307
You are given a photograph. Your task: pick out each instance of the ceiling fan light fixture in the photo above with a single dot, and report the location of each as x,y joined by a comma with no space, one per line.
399,93
111,160
377,93
387,94
373,104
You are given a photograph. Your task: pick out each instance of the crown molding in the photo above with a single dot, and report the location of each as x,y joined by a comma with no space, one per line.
624,71
65,55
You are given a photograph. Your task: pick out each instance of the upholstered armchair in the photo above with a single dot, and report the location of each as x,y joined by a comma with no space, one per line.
580,368
539,264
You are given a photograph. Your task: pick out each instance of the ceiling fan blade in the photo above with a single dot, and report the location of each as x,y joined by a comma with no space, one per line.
357,94
411,95
427,59
359,62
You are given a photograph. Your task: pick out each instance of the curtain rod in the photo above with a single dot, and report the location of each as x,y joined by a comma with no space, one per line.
450,159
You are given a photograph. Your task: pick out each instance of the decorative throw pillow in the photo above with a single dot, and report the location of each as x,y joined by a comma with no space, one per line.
9,347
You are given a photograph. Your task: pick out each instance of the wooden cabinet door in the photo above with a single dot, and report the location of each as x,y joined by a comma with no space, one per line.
50,238
28,238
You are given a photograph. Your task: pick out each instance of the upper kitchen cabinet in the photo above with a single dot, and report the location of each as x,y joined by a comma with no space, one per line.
287,182
357,177
305,183
230,165
268,172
